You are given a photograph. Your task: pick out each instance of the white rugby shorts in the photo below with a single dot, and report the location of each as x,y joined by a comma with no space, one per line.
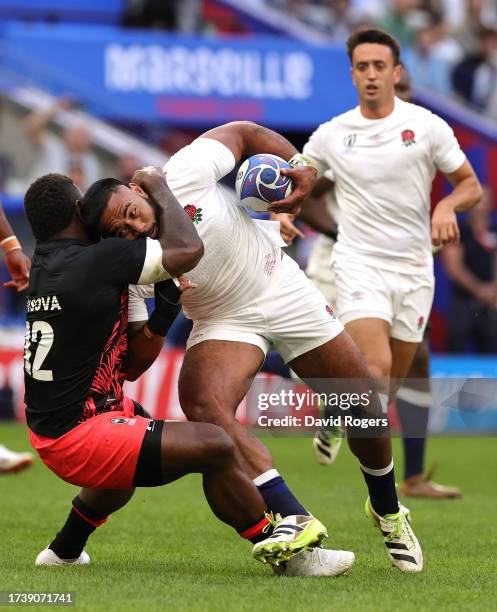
292,316
403,300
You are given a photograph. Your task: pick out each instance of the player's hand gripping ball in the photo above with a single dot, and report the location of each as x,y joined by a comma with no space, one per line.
259,181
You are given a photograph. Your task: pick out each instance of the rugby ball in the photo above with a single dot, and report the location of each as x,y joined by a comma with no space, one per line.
259,181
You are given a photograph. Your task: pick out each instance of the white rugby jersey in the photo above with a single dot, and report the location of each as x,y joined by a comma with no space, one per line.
383,171
241,255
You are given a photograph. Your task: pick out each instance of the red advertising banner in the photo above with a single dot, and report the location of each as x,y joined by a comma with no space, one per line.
156,390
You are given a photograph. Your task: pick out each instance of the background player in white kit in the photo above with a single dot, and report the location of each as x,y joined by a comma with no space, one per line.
251,295
382,157
413,397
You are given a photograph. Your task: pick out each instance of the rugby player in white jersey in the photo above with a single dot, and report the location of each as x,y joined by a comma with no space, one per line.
381,158
250,296
413,397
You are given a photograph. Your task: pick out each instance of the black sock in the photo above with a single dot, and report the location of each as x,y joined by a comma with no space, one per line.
414,456
382,492
80,524
414,420
278,497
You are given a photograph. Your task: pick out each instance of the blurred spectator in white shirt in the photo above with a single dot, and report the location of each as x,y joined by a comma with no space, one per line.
426,69
55,154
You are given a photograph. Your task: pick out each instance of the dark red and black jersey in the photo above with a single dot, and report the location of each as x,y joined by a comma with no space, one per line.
75,343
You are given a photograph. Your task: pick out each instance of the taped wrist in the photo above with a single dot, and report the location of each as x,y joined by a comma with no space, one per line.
300,160
10,244
167,307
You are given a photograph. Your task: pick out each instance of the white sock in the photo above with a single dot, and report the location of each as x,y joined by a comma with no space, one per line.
266,477
380,472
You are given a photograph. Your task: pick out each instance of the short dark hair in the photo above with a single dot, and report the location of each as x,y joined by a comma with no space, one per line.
373,35
95,202
50,204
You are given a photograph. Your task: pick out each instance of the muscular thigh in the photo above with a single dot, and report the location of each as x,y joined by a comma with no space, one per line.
215,377
337,367
372,338
337,358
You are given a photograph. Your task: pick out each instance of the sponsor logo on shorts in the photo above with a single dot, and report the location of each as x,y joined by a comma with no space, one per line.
421,322
357,295
122,421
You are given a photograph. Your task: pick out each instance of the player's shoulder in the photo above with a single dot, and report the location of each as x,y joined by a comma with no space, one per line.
198,167
104,254
113,244
414,111
342,120
199,152
353,115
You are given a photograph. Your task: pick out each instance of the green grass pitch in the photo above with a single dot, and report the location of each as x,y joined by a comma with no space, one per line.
165,550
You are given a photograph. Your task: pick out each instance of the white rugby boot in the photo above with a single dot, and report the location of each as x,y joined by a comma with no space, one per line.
291,535
401,545
11,461
48,557
317,562
327,443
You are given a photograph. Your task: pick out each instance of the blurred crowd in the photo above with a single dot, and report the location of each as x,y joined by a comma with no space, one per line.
68,152
450,45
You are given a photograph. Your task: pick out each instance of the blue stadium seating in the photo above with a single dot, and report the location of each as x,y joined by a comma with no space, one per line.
76,11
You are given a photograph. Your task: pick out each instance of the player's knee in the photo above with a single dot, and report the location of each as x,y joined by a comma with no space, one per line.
420,367
206,410
380,367
218,447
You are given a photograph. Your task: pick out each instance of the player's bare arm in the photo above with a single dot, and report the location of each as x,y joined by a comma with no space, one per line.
143,349
315,214
245,138
182,246
18,264
144,346
466,194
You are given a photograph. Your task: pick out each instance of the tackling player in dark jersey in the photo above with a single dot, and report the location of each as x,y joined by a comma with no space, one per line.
77,357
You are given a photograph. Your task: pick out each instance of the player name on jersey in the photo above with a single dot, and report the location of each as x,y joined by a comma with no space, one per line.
46,303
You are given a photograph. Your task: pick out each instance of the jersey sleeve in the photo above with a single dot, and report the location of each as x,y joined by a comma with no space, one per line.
122,262
197,166
137,309
153,270
314,150
447,155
